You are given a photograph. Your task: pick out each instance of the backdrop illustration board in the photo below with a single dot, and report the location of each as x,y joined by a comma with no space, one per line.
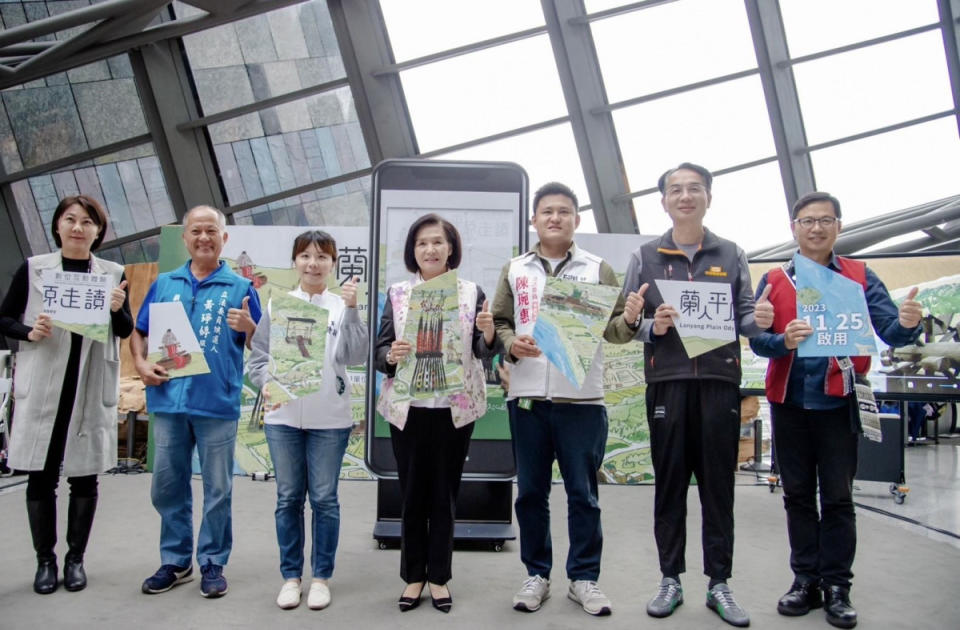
265,256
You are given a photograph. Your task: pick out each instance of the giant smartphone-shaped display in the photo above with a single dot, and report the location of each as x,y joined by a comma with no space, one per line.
486,201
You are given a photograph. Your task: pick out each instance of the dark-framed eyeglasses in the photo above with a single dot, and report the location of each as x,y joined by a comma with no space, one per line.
808,222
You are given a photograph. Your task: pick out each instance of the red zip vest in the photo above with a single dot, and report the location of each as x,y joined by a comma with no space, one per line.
783,296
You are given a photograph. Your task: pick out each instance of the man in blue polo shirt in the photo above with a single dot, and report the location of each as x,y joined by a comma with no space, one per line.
201,410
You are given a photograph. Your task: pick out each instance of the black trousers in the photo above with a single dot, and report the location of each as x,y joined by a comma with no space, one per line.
694,429
430,454
816,447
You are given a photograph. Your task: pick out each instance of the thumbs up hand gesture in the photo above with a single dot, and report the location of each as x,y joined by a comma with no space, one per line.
117,295
348,292
763,311
910,310
633,306
485,323
239,319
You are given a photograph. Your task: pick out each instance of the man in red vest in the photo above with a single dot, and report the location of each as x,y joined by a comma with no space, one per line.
815,428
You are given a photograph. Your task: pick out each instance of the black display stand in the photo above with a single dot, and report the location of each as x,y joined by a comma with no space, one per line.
484,512
884,460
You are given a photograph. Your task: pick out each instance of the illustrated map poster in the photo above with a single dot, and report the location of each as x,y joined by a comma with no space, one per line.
78,302
706,320
570,323
171,342
298,339
432,328
836,308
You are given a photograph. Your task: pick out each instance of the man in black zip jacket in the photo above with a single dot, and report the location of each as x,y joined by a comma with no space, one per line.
693,405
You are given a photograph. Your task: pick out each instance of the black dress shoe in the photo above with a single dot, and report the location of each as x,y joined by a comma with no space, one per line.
800,599
45,580
443,604
409,603
836,602
74,577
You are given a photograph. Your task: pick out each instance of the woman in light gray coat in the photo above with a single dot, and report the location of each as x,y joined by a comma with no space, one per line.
65,389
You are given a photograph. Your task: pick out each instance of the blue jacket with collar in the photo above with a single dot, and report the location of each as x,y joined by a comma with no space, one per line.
217,394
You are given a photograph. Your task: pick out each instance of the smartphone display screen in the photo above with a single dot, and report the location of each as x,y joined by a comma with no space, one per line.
486,201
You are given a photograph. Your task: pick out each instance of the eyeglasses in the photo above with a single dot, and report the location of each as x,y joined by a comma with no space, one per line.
808,222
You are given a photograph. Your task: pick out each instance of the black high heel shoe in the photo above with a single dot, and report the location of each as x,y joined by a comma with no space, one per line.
443,604
409,603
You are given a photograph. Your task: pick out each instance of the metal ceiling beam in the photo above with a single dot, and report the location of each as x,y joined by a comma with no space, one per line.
395,68
70,19
380,102
185,155
783,104
594,133
112,27
176,28
621,10
950,25
213,7
264,104
943,215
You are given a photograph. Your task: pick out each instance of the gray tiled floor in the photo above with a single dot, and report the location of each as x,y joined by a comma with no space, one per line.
906,577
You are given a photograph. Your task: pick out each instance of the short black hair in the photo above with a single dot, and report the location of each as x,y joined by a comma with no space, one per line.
814,197
321,239
450,232
686,166
93,208
554,188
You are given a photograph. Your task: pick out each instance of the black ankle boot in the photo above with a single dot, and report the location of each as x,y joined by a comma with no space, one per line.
42,515
79,521
836,602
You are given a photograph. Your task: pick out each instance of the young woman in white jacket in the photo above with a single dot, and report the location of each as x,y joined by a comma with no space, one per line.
308,436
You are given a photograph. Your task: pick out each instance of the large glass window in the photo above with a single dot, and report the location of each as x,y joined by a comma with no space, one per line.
129,184
718,126
347,203
139,251
453,24
547,155
891,171
286,146
872,87
482,93
263,56
673,44
815,25
290,145
67,113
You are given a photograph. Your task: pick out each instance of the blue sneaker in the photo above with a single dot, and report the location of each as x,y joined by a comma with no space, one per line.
166,577
212,582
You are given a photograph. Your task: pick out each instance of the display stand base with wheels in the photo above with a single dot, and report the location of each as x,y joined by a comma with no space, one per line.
484,513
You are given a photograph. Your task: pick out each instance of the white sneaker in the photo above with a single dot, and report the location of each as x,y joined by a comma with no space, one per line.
289,596
319,596
588,594
532,594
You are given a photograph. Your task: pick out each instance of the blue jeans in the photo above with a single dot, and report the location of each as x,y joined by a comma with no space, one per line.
174,437
576,435
307,460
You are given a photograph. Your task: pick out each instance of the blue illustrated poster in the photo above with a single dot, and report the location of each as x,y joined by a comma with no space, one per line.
836,309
